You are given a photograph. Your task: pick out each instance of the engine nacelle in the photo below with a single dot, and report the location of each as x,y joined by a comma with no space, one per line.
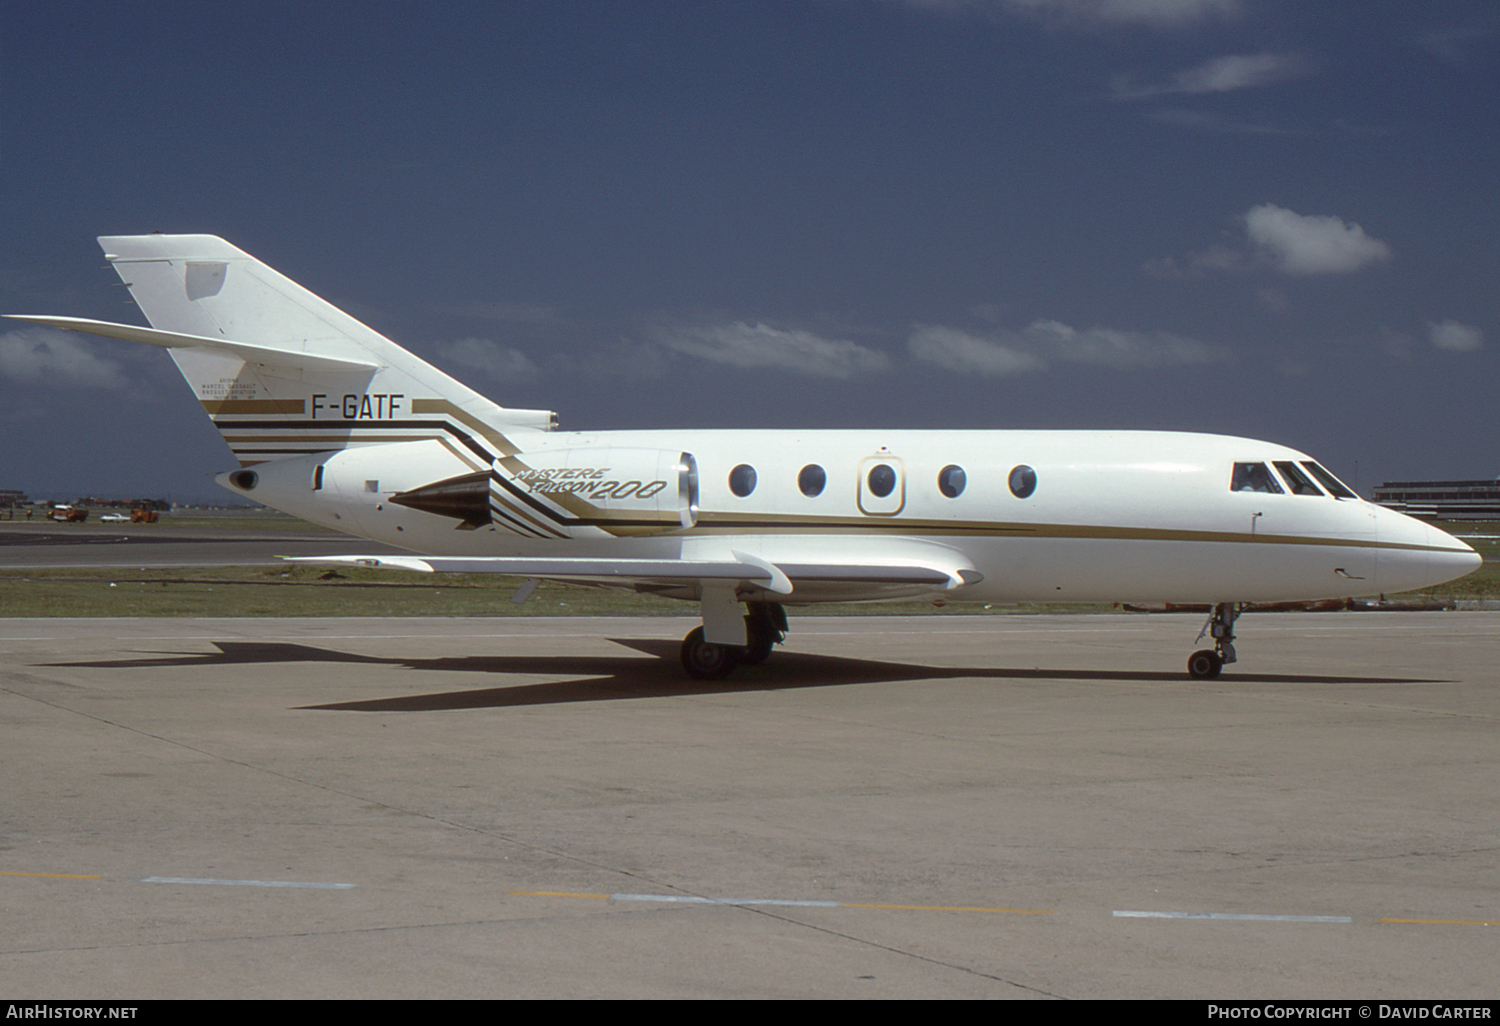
615,490
569,493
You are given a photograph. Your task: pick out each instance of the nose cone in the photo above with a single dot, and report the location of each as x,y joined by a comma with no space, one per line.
1416,555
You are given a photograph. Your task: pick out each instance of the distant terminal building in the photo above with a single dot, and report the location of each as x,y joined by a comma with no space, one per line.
1442,500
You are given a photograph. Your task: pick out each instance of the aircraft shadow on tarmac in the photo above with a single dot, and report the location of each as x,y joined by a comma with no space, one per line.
614,678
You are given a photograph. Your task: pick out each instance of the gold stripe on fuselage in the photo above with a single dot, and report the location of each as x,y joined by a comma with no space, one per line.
739,524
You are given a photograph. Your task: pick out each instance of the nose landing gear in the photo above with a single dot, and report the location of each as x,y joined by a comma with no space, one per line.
1206,663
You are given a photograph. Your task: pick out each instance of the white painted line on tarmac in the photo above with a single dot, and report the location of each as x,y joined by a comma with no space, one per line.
683,899
687,900
247,883
1119,913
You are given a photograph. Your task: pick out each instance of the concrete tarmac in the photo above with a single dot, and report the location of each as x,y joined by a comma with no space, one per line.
996,807
26,545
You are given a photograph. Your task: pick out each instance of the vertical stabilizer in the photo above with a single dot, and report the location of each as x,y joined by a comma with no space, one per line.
319,381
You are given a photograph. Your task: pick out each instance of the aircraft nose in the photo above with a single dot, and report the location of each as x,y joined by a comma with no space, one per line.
1417,555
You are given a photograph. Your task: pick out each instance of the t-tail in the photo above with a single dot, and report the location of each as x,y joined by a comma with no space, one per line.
283,373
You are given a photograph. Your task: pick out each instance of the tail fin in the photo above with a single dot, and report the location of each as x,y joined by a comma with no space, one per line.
284,373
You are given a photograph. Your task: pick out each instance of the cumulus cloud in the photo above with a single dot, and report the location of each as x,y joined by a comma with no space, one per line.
1044,343
1311,244
1455,337
1220,75
56,359
503,363
1160,13
1292,243
959,351
754,346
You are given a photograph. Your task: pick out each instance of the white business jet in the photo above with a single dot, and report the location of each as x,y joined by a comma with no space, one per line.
335,423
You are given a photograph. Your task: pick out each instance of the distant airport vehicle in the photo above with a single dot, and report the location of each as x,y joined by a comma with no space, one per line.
114,518
68,514
335,423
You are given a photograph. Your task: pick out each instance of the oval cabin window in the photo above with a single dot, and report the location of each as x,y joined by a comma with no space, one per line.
951,481
1022,481
742,480
812,480
882,480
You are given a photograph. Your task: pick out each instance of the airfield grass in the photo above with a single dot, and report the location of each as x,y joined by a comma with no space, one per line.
296,590
359,591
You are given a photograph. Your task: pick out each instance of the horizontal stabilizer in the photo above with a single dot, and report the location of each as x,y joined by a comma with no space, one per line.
266,356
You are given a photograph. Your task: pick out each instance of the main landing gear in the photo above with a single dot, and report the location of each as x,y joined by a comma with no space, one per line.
1207,662
765,628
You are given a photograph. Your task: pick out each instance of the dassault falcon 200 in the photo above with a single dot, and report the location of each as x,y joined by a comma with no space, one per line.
335,423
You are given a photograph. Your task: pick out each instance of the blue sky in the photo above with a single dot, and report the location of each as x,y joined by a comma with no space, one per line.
1269,218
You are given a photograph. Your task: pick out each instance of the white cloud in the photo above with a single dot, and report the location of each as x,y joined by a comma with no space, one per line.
1455,337
761,346
1220,75
1312,244
968,354
503,363
1162,13
1106,347
56,359
1043,343
1289,242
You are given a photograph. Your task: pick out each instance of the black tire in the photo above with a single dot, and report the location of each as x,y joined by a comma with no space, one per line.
1204,664
762,640
704,660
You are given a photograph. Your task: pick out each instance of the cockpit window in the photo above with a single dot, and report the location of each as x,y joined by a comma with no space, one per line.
1333,484
1296,480
1254,477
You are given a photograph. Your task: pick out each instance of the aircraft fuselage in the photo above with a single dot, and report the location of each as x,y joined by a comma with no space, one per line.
1109,516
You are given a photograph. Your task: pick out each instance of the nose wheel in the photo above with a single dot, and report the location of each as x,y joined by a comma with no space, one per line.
1204,664
1207,663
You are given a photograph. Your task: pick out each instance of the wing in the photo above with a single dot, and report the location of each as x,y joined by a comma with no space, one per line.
810,581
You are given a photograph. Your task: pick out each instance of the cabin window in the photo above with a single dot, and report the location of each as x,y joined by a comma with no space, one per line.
1335,487
951,481
1296,480
812,480
882,480
1254,477
1022,481
742,480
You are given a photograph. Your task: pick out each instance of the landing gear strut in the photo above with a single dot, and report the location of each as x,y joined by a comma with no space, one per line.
1207,662
765,628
